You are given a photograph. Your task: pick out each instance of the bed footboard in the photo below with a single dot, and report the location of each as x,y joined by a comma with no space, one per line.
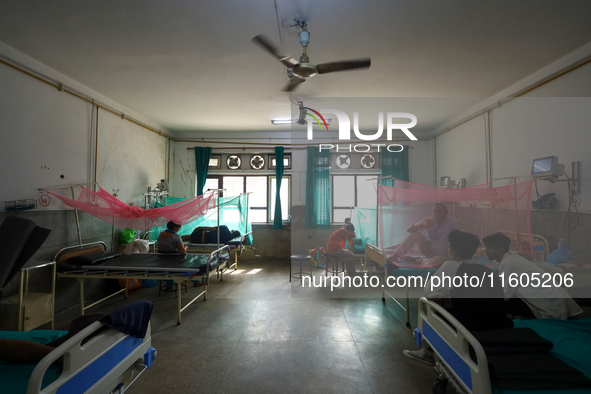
107,361
451,342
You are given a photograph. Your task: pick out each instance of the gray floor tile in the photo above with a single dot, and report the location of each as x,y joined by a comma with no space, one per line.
374,321
389,371
293,366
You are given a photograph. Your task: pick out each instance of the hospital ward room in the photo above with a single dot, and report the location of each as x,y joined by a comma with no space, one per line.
188,204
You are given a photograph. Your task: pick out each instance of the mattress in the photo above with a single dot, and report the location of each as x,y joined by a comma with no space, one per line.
572,344
173,263
15,377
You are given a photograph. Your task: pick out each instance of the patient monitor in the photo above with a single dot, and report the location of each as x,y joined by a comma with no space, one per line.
547,167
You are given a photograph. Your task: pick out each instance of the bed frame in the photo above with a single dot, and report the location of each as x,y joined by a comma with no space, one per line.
179,277
379,256
235,249
109,362
450,342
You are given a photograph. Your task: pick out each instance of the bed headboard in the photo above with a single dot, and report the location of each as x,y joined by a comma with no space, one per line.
78,250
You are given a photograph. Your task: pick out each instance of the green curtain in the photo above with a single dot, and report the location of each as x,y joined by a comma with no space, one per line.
202,156
317,189
395,164
278,219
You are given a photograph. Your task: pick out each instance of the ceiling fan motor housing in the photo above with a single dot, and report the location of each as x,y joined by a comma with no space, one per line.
304,70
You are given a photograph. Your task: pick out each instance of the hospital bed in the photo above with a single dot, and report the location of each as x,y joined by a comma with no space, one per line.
384,256
90,261
452,343
236,246
109,362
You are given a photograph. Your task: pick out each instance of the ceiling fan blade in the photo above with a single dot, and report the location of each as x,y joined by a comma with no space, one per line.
273,50
293,83
343,65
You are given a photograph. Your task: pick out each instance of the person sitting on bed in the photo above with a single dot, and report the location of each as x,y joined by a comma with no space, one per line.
533,302
209,235
478,308
169,241
336,246
434,245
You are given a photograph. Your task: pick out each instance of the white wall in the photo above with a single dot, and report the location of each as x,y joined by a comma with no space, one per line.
544,122
460,153
131,158
47,133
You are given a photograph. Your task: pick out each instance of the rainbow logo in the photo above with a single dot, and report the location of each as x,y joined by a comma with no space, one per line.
315,118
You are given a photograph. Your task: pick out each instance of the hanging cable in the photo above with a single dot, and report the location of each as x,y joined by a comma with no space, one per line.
573,202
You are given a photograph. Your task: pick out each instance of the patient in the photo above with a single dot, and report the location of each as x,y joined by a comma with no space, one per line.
539,302
209,235
434,245
169,241
476,307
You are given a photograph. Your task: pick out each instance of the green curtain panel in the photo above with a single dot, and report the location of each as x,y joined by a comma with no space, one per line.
317,189
395,164
278,219
202,155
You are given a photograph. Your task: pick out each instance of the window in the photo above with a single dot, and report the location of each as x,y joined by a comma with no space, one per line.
286,161
350,191
261,197
215,162
257,200
211,184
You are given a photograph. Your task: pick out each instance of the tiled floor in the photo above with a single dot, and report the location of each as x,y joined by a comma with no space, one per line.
251,336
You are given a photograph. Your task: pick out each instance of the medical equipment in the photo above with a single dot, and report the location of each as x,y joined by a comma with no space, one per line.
446,181
178,268
547,167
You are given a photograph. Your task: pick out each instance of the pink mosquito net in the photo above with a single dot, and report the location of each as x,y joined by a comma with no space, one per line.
114,211
481,210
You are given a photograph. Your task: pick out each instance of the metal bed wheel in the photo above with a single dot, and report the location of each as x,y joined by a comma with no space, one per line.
439,386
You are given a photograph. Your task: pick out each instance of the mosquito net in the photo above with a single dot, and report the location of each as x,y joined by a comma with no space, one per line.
364,220
114,211
481,210
233,213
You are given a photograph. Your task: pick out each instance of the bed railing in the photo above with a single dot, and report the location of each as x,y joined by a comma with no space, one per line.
451,342
99,365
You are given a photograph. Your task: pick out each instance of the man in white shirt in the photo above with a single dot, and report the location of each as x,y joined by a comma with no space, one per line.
434,244
544,302
477,308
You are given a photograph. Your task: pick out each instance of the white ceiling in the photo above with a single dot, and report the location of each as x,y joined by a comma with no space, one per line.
190,65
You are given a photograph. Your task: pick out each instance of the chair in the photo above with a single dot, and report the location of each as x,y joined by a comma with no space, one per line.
332,260
301,258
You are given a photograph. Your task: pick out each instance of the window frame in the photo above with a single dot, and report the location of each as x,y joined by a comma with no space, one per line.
220,178
333,207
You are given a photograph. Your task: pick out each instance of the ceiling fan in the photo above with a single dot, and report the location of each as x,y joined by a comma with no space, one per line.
301,70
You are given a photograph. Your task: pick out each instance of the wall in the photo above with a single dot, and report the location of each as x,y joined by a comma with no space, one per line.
552,120
46,134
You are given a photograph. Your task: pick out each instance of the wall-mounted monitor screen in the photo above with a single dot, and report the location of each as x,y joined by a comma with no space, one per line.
547,167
